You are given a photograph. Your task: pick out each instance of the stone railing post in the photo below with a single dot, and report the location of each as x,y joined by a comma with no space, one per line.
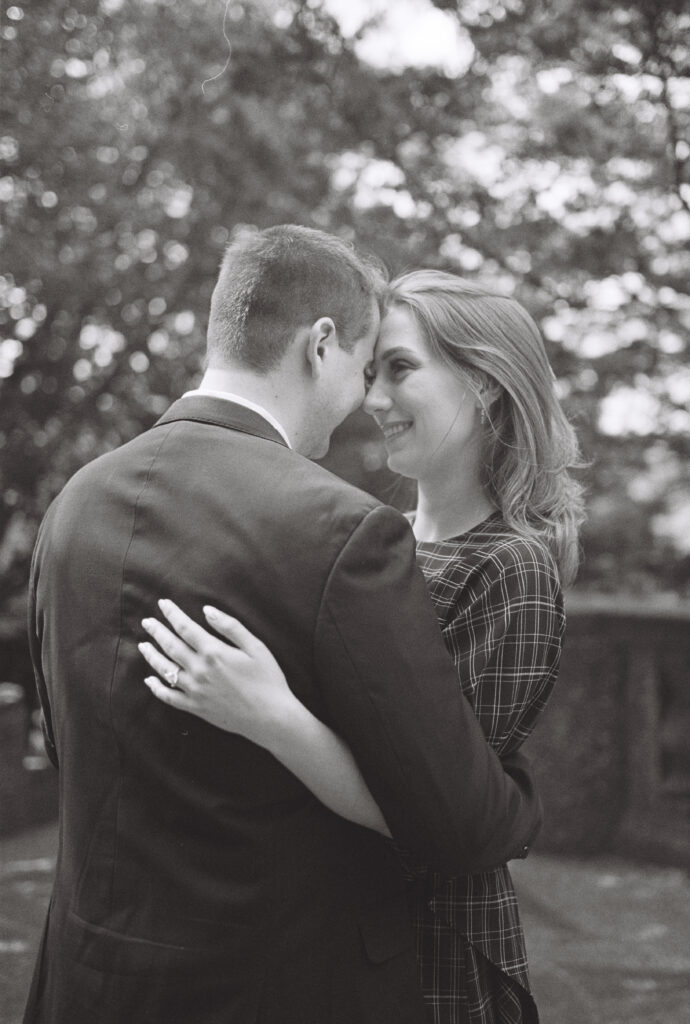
13,726
642,740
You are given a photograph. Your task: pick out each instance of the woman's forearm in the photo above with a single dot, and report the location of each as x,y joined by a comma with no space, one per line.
324,763
240,687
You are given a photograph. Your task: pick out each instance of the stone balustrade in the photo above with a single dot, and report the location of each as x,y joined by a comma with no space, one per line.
611,753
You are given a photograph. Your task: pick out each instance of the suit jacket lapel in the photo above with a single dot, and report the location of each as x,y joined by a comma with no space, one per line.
221,412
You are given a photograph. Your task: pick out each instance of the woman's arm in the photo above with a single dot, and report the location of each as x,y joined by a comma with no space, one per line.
243,690
504,633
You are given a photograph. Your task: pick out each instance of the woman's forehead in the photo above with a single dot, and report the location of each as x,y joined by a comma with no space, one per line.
399,329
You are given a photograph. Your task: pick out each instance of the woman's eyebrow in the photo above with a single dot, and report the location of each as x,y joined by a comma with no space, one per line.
396,351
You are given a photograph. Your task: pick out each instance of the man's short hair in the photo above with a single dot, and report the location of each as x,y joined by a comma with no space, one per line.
273,282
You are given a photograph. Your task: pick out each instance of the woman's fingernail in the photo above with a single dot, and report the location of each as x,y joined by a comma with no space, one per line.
147,624
164,603
149,681
211,613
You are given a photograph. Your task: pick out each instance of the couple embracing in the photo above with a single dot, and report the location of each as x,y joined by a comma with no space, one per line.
305,815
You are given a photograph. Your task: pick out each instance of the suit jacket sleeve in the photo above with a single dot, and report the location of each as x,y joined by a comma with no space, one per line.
391,691
35,650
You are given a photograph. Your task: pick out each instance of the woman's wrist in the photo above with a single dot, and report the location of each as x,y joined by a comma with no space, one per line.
286,724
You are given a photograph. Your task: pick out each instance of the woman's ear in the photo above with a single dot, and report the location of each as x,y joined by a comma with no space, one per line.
488,393
321,338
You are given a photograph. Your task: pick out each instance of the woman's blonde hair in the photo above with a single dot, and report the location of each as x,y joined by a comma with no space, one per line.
529,445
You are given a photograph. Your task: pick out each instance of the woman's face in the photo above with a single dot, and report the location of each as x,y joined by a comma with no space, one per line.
429,417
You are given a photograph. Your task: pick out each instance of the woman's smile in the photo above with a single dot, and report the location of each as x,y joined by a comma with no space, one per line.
393,430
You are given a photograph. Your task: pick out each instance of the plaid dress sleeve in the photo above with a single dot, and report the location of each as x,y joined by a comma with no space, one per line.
503,623
500,609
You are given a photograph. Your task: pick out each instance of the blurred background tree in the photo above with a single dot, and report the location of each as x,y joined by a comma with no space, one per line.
540,146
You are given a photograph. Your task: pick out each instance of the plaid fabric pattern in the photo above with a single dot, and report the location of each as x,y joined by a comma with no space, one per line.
500,607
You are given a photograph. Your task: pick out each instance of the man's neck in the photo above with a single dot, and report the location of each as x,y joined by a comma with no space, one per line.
239,382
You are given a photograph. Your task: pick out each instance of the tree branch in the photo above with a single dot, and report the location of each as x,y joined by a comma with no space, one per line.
665,70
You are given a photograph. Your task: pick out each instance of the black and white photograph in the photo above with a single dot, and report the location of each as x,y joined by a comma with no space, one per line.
344,512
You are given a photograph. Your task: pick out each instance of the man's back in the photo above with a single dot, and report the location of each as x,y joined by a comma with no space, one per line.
182,845
198,880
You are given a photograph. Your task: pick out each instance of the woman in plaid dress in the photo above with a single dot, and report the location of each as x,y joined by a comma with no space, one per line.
464,395
495,541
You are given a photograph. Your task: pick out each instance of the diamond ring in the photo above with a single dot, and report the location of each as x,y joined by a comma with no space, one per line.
171,677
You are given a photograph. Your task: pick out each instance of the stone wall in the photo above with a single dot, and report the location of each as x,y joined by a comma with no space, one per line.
611,752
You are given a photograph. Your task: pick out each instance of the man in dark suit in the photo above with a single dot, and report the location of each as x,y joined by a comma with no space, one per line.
198,881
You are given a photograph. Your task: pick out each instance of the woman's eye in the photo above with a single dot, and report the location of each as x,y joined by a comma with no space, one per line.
398,368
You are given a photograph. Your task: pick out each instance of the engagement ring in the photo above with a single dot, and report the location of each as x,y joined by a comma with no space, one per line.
171,677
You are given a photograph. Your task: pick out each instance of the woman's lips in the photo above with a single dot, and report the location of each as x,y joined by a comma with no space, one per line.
393,430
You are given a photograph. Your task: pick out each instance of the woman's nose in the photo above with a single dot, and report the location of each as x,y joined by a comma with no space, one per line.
375,399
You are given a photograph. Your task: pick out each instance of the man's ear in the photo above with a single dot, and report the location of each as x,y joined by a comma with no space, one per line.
320,340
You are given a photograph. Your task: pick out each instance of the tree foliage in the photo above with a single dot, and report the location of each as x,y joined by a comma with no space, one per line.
554,164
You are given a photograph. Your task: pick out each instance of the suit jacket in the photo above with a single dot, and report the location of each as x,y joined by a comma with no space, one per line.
198,881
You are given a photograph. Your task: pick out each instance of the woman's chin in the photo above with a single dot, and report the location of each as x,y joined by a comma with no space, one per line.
397,463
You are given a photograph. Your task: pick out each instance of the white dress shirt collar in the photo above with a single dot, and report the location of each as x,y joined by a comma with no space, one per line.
239,400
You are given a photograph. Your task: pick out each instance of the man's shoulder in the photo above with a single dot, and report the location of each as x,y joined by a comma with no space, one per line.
301,492
330,498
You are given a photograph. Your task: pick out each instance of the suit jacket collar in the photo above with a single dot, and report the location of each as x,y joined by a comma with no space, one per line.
221,412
